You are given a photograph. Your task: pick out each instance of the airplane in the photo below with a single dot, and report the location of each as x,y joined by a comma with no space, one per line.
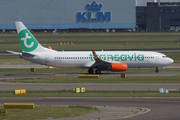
115,61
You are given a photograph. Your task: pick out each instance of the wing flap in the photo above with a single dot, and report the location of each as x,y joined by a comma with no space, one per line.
104,65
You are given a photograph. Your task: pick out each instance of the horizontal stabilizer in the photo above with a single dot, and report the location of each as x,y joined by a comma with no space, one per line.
21,54
16,53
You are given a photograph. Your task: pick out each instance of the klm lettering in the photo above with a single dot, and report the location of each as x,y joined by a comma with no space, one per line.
100,16
94,9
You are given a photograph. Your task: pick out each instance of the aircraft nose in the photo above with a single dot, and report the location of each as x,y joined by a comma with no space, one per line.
171,60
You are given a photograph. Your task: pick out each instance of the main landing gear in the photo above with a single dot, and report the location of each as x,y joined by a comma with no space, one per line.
157,70
91,71
98,71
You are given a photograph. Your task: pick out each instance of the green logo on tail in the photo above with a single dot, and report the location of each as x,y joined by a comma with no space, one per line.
27,41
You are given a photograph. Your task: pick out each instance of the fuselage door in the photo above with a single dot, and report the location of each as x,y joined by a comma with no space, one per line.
157,59
46,58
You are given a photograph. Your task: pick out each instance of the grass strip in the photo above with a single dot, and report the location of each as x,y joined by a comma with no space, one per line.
94,93
102,79
99,41
47,112
76,70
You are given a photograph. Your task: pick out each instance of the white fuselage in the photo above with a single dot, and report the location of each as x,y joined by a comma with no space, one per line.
85,59
104,60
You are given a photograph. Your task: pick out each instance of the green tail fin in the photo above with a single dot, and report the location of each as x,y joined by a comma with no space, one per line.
27,40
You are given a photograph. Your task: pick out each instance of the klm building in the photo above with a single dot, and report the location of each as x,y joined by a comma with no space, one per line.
68,14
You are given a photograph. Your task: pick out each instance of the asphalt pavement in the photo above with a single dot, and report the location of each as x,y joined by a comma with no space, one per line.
160,108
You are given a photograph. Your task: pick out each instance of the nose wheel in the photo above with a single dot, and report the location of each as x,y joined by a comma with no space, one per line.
157,70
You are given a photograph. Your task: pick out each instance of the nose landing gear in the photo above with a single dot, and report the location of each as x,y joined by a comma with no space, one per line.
157,70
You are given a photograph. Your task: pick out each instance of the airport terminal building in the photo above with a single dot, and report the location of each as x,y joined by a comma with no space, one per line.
159,16
68,14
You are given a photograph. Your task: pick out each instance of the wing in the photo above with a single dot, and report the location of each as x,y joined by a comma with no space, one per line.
98,62
104,65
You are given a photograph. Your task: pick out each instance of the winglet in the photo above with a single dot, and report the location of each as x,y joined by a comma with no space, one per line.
96,58
50,47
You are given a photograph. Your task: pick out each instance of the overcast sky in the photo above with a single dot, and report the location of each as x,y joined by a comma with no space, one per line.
144,2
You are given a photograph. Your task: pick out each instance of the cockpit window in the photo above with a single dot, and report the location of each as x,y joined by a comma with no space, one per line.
164,56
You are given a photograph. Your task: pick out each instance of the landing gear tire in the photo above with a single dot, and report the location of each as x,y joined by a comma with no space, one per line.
98,71
90,71
157,70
